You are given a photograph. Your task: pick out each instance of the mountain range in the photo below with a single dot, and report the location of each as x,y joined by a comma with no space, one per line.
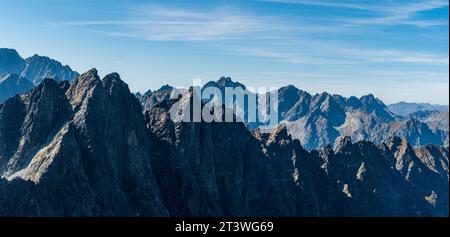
404,108
316,120
322,119
31,71
90,147
87,149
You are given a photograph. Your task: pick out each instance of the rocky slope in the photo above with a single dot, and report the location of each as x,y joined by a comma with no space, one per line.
86,149
436,120
78,150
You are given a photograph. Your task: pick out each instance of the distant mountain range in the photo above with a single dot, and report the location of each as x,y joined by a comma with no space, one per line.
33,69
404,108
87,149
322,119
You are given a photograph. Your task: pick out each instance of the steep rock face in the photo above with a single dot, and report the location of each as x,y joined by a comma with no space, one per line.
90,138
427,173
368,184
12,85
435,119
297,174
10,62
235,174
317,127
370,104
111,132
416,132
41,67
47,110
212,169
12,114
149,99
292,103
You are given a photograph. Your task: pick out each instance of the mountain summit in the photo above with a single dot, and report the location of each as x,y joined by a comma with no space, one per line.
33,69
39,67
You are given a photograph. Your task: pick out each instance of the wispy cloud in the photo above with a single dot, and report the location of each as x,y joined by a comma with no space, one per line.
168,24
384,12
246,33
326,53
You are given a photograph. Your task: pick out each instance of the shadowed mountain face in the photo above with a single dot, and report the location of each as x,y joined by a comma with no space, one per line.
12,85
86,149
81,150
10,62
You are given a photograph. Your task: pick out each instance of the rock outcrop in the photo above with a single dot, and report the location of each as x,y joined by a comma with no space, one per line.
77,151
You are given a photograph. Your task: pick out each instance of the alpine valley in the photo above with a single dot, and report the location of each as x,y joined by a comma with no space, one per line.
81,145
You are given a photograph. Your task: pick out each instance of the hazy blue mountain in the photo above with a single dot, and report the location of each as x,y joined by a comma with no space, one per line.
34,69
10,62
40,67
12,85
433,118
404,108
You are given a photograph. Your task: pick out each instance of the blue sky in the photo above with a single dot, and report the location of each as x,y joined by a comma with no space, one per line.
397,50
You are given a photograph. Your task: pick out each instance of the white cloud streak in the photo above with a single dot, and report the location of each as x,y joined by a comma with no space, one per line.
248,34
327,54
164,24
386,12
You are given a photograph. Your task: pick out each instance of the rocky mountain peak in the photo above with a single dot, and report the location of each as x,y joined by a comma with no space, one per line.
82,87
162,88
280,133
343,143
289,92
147,93
10,62
46,110
41,67
224,82
394,141
114,85
370,104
